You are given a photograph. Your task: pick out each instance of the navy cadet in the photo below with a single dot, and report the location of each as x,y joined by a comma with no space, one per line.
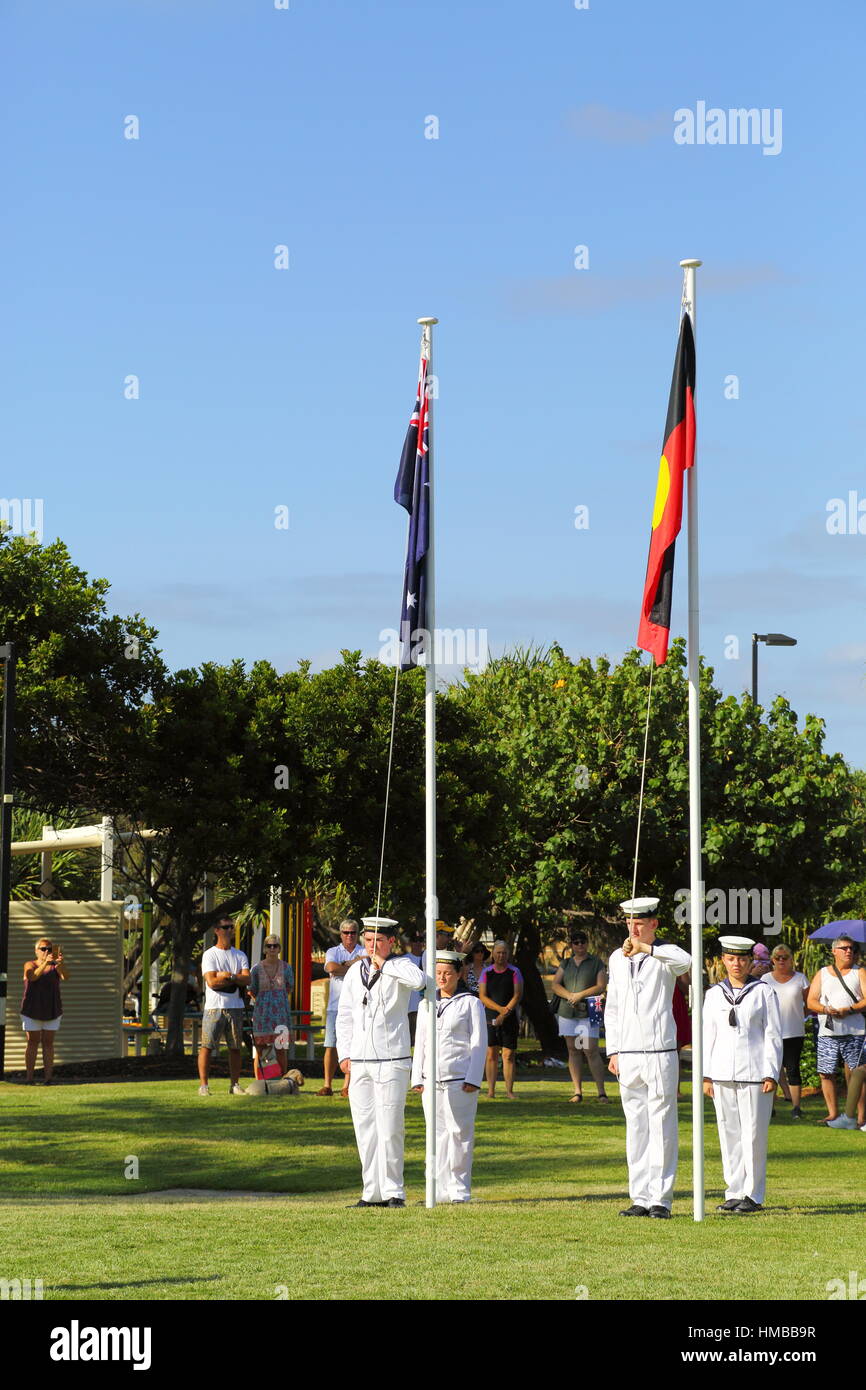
742,1058
641,1042
461,1052
373,1047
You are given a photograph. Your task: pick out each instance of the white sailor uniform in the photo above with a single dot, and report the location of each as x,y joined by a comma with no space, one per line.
461,1051
373,1031
742,1048
639,1028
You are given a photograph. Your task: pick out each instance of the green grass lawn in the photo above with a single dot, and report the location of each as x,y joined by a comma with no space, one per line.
549,1180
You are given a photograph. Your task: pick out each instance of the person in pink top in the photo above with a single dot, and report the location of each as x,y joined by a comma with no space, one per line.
500,989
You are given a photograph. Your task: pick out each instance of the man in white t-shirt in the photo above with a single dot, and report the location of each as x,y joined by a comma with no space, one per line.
226,972
337,961
837,995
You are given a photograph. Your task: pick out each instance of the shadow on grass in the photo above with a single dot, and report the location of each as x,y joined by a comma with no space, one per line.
137,1283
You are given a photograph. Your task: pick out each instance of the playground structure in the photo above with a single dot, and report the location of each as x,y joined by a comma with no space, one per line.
92,937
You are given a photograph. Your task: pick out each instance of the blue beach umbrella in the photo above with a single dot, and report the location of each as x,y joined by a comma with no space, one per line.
855,929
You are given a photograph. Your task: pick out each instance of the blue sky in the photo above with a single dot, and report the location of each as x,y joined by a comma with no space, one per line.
262,387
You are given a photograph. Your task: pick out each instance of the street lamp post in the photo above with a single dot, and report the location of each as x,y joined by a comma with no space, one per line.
7,747
772,639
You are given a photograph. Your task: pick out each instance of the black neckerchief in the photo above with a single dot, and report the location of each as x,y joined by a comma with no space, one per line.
365,976
728,991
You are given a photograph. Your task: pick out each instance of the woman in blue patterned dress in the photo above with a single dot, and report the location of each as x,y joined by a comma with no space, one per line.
270,988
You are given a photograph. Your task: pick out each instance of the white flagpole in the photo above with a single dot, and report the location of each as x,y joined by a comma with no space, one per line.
696,900
432,901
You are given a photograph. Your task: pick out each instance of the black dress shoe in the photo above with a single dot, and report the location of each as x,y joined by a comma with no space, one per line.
747,1206
661,1212
362,1203
635,1210
730,1205
394,1202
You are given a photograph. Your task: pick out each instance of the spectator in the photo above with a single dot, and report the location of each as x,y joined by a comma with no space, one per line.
580,978
473,965
761,963
414,943
500,989
226,973
461,1036
465,936
792,988
270,988
838,995
855,1104
41,1006
444,941
682,1022
338,960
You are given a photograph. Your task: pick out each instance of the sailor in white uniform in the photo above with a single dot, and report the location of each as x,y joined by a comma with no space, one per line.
461,1052
641,1044
742,1057
373,1045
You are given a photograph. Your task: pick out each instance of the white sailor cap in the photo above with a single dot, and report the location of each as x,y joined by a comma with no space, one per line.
640,907
449,958
385,925
736,945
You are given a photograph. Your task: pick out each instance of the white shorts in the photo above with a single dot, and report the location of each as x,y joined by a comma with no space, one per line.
580,1028
36,1025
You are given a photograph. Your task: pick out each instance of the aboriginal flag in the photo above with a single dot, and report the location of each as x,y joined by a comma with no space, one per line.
412,491
678,454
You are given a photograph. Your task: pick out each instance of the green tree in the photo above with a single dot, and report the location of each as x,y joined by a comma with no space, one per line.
219,779
567,738
82,675
340,720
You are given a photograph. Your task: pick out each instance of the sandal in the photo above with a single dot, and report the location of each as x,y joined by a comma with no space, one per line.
604,1100
575,1099
325,1091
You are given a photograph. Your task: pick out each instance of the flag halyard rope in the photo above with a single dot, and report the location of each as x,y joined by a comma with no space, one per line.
642,780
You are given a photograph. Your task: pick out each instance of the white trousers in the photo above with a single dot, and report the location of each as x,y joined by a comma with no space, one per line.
743,1116
455,1138
648,1091
377,1099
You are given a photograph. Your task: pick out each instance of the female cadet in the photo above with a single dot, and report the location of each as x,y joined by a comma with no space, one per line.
742,1057
461,1050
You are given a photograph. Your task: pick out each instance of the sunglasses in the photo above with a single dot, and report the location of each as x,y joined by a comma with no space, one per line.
45,948
348,933
272,948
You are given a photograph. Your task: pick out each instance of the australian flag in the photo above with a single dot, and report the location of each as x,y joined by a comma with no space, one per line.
412,491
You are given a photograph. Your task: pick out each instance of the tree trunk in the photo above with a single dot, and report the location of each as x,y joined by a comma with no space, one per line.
534,996
182,960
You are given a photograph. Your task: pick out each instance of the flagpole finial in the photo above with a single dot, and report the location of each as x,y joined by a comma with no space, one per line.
426,322
687,265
